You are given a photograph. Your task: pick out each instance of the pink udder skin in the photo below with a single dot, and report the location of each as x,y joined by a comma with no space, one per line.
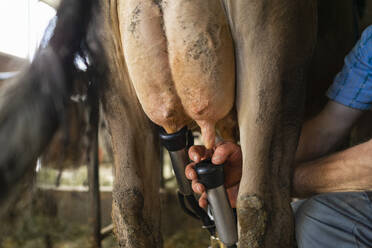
208,132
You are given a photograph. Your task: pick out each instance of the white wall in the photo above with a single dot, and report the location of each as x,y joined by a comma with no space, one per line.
22,23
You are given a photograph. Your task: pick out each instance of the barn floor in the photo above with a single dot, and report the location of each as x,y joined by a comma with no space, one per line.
37,229
56,217
183,239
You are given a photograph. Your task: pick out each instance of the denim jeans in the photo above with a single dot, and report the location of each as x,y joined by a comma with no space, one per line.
340,220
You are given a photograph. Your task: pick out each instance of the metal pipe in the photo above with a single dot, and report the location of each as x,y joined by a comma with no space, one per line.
223,215
179,161
212,177
177,144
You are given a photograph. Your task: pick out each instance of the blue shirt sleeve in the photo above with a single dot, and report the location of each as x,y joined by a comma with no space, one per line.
352,86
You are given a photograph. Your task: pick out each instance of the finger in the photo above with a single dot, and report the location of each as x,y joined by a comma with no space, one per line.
190,172
207,154
223,151
197,187
203,200
196,153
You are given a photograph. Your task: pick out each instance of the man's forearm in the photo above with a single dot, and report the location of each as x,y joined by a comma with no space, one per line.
325,132
348,170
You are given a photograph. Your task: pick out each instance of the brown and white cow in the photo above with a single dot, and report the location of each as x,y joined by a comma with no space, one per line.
176,56
199,57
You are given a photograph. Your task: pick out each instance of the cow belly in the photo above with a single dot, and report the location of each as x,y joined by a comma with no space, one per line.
180,59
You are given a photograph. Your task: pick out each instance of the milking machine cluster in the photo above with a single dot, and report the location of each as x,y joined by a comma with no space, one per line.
220,220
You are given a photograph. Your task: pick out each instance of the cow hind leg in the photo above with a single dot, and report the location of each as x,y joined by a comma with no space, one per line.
136,203
273,42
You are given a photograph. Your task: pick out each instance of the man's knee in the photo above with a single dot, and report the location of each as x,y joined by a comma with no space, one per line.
325,219
307,220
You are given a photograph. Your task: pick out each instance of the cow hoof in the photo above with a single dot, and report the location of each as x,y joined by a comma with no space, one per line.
252,217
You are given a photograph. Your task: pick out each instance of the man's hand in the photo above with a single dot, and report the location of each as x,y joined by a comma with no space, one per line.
225,152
